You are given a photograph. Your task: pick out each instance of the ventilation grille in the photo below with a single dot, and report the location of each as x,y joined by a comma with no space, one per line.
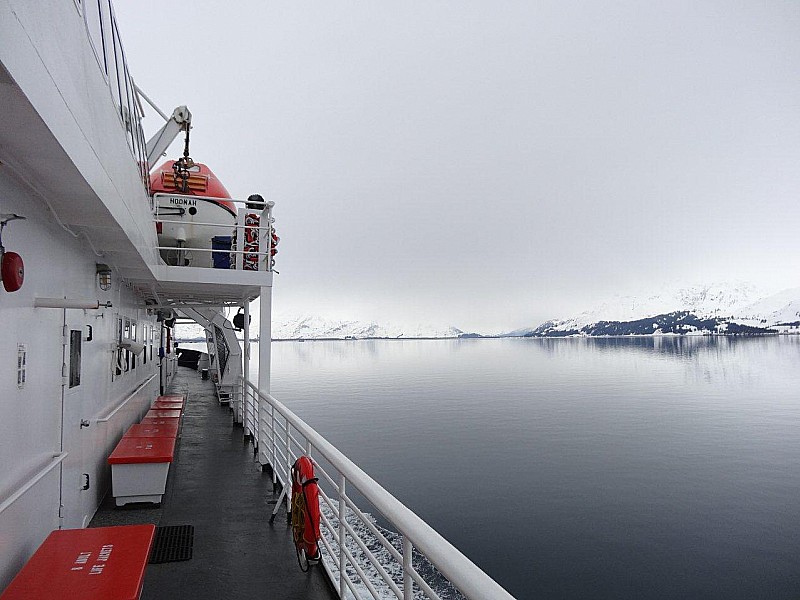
172,543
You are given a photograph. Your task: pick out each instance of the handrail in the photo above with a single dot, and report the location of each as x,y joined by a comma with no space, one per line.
457,568
188,249
57,458
124,402
226,225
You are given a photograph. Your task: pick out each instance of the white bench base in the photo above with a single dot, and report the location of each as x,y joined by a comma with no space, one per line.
138,482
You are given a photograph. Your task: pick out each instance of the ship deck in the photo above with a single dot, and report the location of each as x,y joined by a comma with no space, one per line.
216,485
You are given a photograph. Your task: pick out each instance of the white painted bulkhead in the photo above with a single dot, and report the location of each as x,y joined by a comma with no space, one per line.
59,265
70,157
64,159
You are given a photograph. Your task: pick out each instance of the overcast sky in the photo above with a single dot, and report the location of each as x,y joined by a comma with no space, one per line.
489,165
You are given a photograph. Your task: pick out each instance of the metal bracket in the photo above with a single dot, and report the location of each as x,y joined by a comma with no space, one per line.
278,505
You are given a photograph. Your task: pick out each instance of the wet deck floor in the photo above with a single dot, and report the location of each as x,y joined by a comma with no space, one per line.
216,485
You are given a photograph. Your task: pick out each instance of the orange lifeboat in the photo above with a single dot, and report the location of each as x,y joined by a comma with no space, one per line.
192,208
201,181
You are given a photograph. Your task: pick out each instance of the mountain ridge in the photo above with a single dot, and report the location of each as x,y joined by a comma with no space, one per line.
715,309
707,309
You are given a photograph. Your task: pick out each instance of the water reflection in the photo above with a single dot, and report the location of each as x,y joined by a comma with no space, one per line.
621,467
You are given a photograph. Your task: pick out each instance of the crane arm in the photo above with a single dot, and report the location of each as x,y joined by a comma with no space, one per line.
181,120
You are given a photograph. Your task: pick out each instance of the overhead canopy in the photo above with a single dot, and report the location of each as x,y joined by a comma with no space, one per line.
191,286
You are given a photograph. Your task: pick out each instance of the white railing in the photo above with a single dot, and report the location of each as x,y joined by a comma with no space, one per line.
132,395
23,489
363,559
103,34
263,231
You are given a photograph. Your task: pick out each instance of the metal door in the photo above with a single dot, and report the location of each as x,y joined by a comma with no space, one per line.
74,480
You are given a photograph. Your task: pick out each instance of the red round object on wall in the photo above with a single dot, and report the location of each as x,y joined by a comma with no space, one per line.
13,271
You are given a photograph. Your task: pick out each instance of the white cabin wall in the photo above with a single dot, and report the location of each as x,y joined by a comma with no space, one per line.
46,49
30,417
106,434
58,265
26,523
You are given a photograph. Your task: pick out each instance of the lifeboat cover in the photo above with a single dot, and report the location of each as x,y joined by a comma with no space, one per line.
202,182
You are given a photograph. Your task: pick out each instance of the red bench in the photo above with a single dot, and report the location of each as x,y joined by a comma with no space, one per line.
167,405
144,430
172,398
154,412
139,468
160,421
103,563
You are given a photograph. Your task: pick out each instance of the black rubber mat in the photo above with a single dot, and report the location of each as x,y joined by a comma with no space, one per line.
172,543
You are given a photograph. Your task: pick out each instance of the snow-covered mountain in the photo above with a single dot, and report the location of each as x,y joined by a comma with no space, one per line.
698,309
189,332
315,327
783,307
709,307
701,300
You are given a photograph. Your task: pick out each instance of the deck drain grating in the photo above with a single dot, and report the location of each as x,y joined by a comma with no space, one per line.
172,543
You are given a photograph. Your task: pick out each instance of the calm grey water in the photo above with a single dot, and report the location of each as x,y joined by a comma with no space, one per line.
578,468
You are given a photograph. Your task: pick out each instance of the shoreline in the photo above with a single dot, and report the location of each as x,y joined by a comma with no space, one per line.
516,337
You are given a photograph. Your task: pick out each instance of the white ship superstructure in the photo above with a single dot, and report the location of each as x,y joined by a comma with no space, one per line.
86,339
73,163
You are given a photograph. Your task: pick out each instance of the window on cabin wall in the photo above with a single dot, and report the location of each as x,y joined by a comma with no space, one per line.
126,333
75,339
117,371
133,337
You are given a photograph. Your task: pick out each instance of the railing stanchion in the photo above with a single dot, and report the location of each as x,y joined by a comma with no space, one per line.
239,401
273,463
245,356
257,418
243,405
261,432
357,570
245,402
408,582
249,412
288,481
268,211
342,538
